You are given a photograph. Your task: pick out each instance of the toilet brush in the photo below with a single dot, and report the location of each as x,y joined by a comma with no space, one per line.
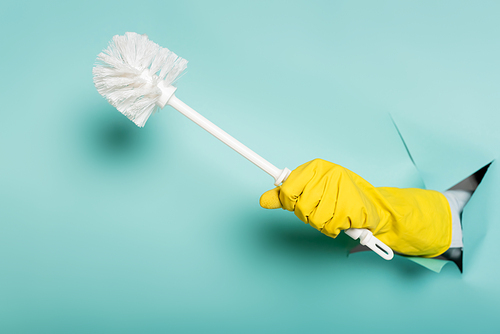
136,76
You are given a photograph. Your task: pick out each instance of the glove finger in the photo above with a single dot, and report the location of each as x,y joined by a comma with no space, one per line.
309,200
321,217
294,185
318,202
270,199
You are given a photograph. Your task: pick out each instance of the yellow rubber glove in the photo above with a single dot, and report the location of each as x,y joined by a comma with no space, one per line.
331,198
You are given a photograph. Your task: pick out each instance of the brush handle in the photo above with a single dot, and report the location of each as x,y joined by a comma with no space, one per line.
366,238
279,175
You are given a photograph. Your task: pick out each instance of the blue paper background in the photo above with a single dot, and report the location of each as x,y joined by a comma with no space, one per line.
108,228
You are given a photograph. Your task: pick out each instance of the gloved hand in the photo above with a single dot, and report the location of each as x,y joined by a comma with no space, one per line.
331,198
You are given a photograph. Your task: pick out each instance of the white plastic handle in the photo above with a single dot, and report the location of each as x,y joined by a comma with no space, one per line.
266,166
366,238
279,175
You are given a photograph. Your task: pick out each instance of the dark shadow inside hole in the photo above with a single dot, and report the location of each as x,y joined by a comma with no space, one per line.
468,184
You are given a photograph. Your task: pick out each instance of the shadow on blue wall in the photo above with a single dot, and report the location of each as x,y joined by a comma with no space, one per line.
295,245
111,140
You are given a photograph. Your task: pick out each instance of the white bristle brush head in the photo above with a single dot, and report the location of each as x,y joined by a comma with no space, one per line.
132,72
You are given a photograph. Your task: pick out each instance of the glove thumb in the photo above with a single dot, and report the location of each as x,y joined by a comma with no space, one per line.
270,199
